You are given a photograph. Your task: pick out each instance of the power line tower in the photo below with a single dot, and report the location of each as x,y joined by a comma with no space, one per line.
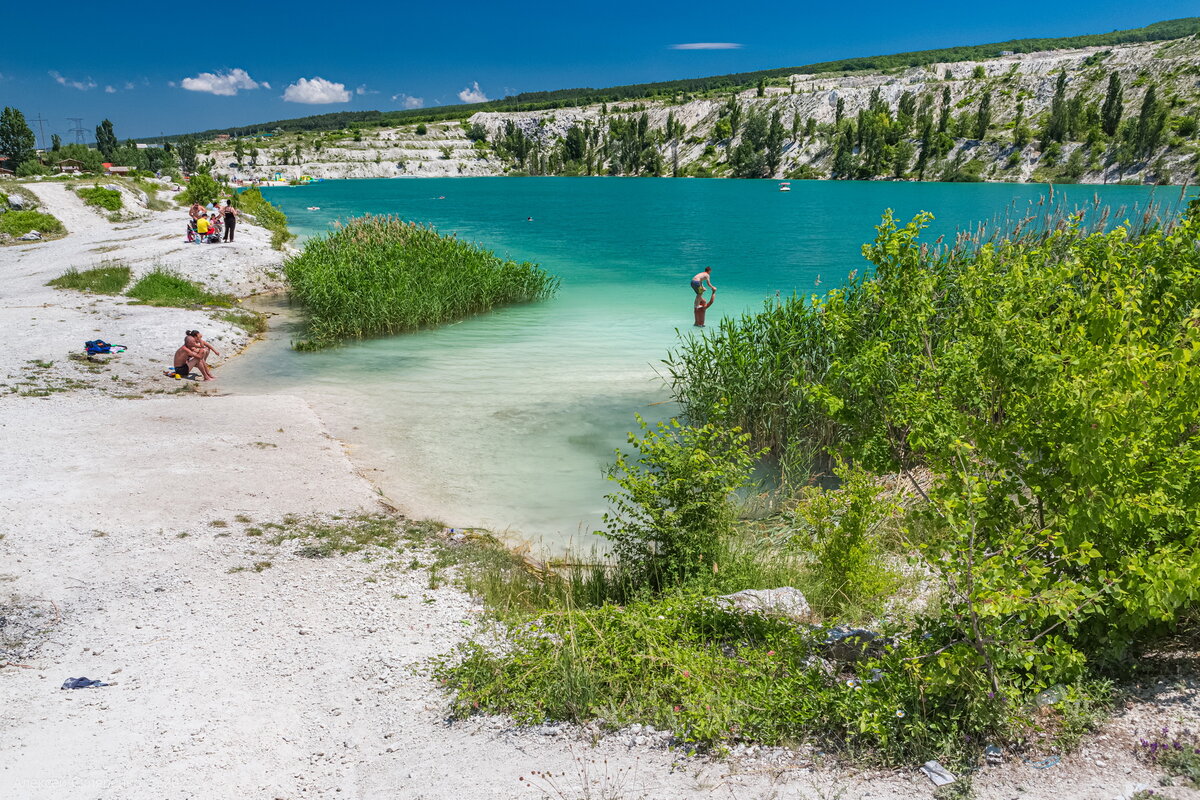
41,121
78,129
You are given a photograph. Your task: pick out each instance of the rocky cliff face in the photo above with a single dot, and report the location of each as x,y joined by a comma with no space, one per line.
880,121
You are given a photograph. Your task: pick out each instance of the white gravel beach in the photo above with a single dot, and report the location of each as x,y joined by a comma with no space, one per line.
239,669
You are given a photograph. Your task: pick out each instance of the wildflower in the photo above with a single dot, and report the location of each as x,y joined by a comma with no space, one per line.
899,713
687,674
770,653
853,684
676,709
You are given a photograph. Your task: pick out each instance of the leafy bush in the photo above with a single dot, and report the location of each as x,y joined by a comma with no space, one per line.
108,199
380,275
266,214
673,515
202,189
109,278
31,168
18,223
422,130
163,287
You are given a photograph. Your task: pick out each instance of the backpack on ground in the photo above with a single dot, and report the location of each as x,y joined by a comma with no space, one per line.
100,347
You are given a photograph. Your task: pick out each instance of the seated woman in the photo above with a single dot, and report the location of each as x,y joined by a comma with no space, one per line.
196,342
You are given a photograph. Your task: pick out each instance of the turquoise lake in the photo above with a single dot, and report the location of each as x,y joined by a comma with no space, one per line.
508,420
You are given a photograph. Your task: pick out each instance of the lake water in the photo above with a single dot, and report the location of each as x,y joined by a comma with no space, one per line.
508,420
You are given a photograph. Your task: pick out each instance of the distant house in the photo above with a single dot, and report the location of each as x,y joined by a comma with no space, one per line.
69,165
112,169
4,170
222,137
1006,52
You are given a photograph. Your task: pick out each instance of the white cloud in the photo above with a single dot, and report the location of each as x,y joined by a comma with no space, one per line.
472,94
225,84
317,91
82,86
109,90
364,90
707,46
128,85
408,100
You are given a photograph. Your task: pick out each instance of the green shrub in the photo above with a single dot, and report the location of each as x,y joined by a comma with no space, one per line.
31,168
18,223
421,129
163,287
202,189
381,275
266,214
108,199
108,278
674,514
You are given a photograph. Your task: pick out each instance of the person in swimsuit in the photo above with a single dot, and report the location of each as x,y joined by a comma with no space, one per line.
701,278
185,359
700,308
197,344
230,220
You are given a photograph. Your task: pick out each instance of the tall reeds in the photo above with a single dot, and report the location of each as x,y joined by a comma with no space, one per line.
382,275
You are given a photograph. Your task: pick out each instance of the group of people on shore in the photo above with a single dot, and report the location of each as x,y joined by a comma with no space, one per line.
193,354
212,224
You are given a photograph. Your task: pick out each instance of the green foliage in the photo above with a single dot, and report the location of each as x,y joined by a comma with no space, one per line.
106,140
162,287
17,142
108,278
185,150
381,275
202,189
422,130
844,532
1114,106
18,223
108,199
674,514
266,214
476,132
30,168
979,73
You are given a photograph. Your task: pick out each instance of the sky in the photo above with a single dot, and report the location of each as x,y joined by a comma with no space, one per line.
170,68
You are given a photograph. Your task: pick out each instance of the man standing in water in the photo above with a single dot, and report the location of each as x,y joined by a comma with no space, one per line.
701,308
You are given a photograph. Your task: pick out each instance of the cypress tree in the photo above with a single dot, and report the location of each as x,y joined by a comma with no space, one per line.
983,118
55,142
1056,124
1114,106
926,147
106,140
1151,123
839,112
944,120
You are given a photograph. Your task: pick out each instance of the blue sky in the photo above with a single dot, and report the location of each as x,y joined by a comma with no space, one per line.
174,67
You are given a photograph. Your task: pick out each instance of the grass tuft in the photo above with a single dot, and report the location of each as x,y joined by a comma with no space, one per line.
19,223
165,288
111,277
98,196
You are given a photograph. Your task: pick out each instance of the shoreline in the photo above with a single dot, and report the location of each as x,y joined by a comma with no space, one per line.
243,665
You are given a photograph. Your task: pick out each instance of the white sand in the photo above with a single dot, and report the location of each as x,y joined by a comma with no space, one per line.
304,679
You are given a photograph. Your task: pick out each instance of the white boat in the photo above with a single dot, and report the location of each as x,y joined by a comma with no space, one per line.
314,208
784,186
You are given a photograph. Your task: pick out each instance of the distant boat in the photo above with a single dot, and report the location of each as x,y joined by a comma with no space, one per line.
785,186
314,208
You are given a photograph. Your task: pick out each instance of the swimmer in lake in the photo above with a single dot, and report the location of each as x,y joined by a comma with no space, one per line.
700,308
701,278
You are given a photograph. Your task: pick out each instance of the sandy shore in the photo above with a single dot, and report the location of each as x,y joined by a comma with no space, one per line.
125,505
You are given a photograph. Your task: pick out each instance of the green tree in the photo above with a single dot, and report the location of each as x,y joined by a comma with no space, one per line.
106,140
421,129
983,117
186,150
926,154
1114,106
1021,134
239,152
839,112
1057,121
55,142
902,155
17,142
944,119
253,156
762,87
1151,123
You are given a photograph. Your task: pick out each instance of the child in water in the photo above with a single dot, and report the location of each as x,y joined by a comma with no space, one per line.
701,308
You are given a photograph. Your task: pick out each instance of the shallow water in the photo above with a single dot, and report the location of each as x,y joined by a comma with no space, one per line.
508,420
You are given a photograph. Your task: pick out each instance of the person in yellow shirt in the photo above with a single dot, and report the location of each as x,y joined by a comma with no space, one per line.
201,229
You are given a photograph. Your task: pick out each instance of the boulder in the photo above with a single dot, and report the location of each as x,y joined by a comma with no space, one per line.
784,602
32,236
17,202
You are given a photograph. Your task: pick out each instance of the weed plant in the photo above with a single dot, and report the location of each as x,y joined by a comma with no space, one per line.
19,223
111,277
381,275
163,287
266,214
98,196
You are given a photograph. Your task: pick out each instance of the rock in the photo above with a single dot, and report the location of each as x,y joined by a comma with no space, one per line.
783,602
112,187
32,236
851,644
937,773
16,201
